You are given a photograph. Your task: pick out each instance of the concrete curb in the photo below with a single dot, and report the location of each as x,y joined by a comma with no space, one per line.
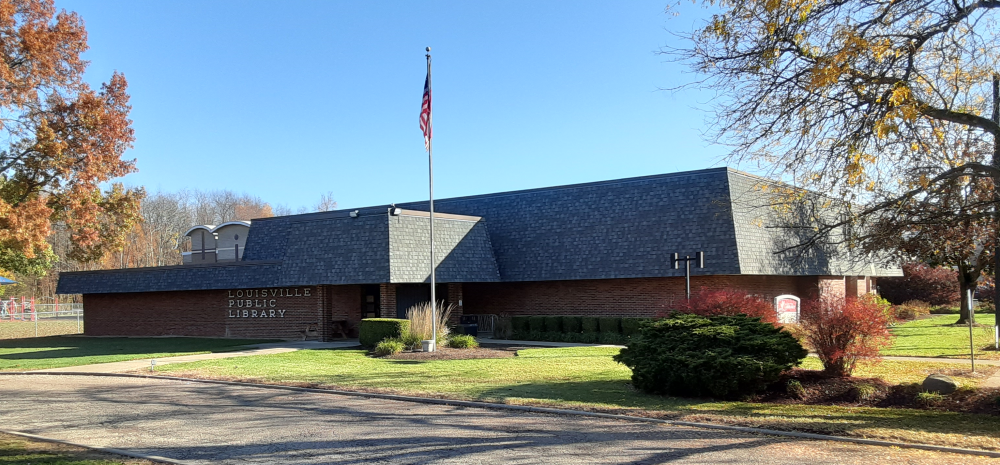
126,453
555,411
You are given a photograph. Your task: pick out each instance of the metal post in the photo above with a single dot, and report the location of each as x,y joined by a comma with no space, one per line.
430,171
687,276
78,330
972,345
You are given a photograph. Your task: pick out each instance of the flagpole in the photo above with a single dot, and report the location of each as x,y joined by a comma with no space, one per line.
430,171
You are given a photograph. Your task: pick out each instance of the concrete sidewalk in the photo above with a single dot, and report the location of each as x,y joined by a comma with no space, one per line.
256,349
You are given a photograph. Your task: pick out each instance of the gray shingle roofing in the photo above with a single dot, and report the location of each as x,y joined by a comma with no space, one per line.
627,228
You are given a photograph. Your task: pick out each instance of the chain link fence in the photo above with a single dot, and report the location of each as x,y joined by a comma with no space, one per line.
21,319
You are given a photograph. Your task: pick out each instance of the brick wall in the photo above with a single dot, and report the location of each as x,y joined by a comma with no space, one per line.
455,297
387,300
642,297
245,313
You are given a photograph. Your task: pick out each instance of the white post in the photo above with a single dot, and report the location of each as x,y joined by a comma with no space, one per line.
972,344
430,171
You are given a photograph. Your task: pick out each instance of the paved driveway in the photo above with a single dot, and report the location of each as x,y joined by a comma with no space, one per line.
209,423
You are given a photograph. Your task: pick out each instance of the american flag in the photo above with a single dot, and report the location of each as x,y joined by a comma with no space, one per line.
425,112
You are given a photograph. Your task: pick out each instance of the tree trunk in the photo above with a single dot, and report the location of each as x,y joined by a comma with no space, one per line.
967,279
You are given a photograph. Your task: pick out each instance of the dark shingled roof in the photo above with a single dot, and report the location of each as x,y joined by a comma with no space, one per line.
626,228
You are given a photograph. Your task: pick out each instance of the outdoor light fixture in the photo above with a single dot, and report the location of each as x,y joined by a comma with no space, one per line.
354,214
394,210
699,258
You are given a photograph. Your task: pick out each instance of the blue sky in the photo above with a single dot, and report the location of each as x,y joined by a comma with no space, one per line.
290,100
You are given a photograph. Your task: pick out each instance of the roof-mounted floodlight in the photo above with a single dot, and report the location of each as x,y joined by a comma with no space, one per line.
355,213
394,210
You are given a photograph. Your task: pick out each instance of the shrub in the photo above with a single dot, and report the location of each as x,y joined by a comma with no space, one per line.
719,356
536,323
728,302
374,330
912,309
612,338
519,323
552,336
572,324
411,341
844,332
389,346
553,324
462,341
534,336
934,285
589,338
589,324
630,326
795,389
503,328
610,325
421,319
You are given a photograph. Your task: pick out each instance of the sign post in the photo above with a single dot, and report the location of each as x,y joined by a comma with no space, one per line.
972,344
698,257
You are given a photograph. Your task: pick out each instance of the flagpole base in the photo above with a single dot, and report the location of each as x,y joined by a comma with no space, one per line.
428,346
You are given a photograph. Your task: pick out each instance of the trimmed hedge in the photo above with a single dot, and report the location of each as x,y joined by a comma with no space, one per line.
519,323
553,324
536,323
572,325
631,326
589,324
374,330
610,325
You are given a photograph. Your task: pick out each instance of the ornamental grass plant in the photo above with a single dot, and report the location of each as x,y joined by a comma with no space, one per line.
422,321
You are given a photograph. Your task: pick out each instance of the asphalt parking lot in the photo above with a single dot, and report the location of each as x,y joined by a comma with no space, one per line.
210,423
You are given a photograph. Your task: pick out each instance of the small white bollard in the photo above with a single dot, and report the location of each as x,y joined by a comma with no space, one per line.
152,365
427,346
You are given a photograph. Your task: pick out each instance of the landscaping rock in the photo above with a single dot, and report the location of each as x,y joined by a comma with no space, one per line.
940,384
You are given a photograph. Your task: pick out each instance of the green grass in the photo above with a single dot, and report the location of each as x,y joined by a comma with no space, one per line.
22,451
588,378
938,337
62,351
45,327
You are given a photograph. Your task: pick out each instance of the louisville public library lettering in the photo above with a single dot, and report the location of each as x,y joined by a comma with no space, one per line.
596,249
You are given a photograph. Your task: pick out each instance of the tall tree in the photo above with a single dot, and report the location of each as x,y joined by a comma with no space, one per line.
61,141
855,99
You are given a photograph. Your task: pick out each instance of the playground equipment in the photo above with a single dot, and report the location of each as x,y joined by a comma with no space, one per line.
15,310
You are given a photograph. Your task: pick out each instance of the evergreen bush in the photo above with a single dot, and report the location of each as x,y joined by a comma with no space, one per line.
589,338
610,325
374,330
519,323
553,324
536,323
719,356
572,324
589,324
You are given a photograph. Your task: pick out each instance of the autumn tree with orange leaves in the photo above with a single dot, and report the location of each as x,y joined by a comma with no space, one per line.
888,108
61,141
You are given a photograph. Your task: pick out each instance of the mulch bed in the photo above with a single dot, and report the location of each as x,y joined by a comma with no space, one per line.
818,389
447,353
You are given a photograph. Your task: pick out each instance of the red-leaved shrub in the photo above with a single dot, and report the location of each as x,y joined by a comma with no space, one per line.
934,285
729,303
844,332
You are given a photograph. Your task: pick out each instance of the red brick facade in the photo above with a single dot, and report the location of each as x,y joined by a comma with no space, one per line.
642,297
281,313
287,313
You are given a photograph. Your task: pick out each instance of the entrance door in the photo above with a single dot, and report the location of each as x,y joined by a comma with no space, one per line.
408,295
370,298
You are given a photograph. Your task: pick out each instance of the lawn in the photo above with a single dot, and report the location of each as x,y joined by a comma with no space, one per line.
938,337
63,351
23,451
587,378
